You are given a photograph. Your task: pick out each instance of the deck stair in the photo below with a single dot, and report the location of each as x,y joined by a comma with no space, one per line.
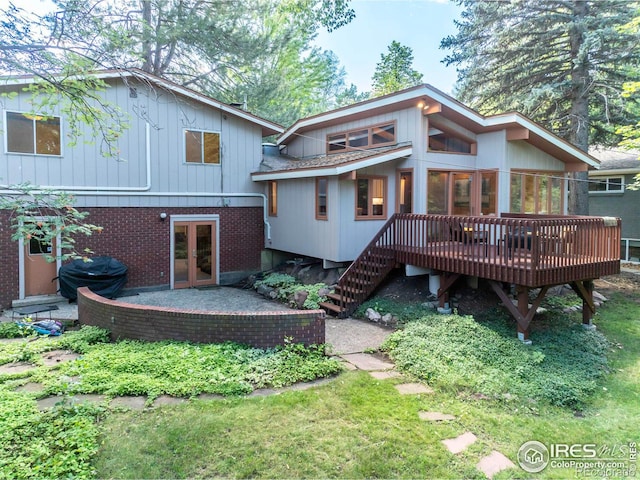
364,275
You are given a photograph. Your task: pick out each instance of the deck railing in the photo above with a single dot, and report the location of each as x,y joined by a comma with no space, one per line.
530,250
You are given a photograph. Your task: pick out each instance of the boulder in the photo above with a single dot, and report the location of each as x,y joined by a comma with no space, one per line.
372,315
300,297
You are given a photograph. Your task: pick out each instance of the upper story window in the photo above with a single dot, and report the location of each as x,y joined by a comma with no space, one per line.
608,184
366,137
440,141
32,134
202,147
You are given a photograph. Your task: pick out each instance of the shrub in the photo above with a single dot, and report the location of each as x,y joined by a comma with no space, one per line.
313,298
276,280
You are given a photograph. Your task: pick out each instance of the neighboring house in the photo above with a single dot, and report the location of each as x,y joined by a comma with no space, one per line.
609,195
343,173
178,205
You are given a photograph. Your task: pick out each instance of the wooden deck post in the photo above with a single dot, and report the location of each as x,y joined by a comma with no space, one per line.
523,308
587,305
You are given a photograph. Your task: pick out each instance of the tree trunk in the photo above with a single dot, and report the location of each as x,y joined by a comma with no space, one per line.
147,64
580,84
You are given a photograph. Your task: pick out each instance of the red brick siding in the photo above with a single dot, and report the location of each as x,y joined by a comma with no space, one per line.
9,267
258,329
138,238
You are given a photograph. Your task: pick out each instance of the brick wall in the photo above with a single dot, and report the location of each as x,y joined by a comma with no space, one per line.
9,268
258,329
138,238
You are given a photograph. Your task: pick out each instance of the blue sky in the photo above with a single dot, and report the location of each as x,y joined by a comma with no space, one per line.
419,24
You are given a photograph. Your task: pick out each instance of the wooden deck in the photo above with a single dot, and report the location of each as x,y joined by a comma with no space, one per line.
522,250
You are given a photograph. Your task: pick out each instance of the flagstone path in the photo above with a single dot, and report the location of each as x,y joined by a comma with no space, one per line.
378,367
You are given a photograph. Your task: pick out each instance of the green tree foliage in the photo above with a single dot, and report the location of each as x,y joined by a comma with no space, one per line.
260,49
560,62
395,70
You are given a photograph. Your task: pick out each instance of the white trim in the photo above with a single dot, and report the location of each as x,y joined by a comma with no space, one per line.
608,191
192,218
35,140
614,172
21,259
333,170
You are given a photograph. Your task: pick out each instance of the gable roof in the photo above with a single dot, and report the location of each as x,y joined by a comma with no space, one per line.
268,127
439,105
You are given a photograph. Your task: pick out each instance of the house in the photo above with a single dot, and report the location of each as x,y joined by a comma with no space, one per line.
609,195
343,173
417,178
177,205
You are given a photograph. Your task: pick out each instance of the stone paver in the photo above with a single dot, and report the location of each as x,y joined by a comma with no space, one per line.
168,400
385,375
49,402
55,357
435,416
413,388
30,387
17,367
460,444
493,463
134,403
368,362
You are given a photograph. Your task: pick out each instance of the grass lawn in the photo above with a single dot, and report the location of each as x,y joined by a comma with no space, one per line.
356,426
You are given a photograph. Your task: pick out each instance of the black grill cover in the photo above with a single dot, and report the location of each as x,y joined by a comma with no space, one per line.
104,276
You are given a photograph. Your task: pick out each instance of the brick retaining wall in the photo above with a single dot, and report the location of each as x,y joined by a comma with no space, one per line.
143,322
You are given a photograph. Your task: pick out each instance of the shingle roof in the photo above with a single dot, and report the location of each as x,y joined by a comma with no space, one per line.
271,163
616,159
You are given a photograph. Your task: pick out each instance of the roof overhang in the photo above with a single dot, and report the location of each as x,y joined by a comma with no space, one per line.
333,170
268,128
614,172
434,102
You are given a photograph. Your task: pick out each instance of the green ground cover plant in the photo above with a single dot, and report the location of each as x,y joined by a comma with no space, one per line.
287,287
62,442
460,354
403,311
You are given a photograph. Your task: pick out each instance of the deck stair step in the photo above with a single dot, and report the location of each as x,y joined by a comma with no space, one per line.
364,275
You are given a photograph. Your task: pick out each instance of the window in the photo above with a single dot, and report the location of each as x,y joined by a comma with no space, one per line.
445,142
33,134
322,185
438,193
273,198
202,147
371,198
369,137
609,184
537,192
404,191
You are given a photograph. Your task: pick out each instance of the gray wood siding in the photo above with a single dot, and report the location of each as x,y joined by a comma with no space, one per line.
168,115
295,228
623,205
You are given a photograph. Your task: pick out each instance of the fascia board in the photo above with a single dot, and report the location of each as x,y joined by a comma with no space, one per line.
354,110
331,171
614,172
507,118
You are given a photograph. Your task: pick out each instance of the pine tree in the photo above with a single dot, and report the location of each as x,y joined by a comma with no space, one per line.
560,62
395,71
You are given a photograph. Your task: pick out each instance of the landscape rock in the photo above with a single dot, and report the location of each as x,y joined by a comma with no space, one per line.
264,290
323,292
386,319
372,315
300,297
599,297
